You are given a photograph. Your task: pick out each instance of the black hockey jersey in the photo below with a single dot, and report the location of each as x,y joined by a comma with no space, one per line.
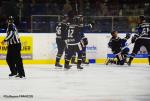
143,31
61,28
74,35
116,44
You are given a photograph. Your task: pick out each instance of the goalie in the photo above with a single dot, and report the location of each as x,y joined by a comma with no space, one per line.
119,48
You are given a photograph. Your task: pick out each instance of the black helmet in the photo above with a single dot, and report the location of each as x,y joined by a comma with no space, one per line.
10,19
113,32
65,17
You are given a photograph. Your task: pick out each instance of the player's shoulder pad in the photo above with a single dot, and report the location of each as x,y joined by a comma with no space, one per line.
145,24
72,26
11,26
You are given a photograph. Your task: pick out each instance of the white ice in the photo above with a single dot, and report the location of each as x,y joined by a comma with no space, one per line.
93,83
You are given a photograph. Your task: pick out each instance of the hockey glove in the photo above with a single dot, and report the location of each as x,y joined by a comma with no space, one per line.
109,45
133,39
85,41
128,35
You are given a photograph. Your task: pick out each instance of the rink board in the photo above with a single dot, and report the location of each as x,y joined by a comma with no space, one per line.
43,48
97,61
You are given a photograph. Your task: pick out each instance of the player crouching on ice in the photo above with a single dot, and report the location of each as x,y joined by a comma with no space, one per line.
119,48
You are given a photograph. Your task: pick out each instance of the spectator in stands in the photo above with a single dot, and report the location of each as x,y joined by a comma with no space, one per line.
98,9
147,9
104,9
81,6
67,7
87,8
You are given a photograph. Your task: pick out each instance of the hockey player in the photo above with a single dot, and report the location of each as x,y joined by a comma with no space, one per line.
61,45
84,40
118,47
13,57
73,40
141,38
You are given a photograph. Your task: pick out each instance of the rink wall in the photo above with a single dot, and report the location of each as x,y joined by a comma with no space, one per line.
41,48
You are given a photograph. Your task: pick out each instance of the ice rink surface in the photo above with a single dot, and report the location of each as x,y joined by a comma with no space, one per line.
93,83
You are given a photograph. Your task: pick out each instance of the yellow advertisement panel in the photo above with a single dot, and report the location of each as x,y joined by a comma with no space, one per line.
26,49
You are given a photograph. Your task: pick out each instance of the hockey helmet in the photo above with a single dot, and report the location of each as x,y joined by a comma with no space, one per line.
10,19
114,33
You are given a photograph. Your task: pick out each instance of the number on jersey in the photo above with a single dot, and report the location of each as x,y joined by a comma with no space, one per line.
58,29
145,30
70,33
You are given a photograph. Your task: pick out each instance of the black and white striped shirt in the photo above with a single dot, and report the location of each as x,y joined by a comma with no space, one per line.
12,35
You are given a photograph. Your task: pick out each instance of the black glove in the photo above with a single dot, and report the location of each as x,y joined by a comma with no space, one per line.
109,45
128,35
85,41
133,39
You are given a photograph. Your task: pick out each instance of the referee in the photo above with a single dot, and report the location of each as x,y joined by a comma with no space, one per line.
13,57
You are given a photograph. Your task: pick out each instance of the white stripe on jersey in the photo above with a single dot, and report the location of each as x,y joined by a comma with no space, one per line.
9,36
143,38
14,40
